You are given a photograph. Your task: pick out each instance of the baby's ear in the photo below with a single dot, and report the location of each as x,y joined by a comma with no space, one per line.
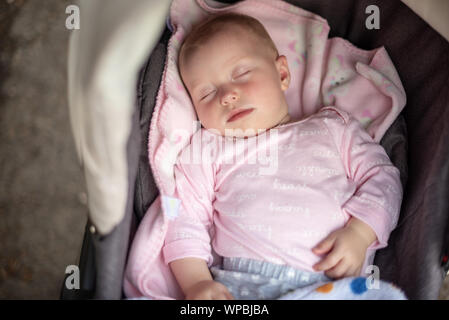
284,71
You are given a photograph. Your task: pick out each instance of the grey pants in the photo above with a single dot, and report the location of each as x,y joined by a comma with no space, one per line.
249,279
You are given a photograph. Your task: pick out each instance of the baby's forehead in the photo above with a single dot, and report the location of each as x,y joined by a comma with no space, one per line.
242,38
218,38
225,32
238,32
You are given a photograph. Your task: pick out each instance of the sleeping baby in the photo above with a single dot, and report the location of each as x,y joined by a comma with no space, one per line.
332,200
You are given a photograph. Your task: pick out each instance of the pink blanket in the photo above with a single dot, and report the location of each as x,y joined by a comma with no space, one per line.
324,72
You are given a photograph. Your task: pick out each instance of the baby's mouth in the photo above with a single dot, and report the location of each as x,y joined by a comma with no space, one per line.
239,113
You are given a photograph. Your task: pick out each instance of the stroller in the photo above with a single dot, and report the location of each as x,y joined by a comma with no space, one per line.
119,179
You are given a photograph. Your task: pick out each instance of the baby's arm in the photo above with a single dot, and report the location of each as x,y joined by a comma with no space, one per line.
195,280
187,248
374,206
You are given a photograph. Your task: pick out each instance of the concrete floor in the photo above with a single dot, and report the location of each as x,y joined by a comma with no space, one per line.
42,215
42,191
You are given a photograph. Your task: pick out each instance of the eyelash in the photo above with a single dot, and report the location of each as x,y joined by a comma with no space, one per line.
238,76
243,73
207,95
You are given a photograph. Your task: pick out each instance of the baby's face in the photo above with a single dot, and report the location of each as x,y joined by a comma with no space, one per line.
235,72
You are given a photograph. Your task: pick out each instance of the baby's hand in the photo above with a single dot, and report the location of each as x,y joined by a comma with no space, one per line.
347,248
208,290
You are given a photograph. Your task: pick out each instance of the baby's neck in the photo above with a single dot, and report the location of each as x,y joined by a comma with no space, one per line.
285,120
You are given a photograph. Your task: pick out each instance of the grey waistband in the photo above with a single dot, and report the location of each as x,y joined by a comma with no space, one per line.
271,270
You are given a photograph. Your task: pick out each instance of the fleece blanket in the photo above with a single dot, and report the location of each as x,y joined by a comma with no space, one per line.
324,72
353,288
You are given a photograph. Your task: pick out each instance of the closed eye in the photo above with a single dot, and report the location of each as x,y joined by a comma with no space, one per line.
206,95
243,74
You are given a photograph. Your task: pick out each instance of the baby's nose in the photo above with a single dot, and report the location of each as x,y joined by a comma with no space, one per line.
229,98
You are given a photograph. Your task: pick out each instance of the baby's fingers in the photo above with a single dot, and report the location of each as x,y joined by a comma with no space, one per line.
330,261
325,245
223,295
338,271
229,296
353,272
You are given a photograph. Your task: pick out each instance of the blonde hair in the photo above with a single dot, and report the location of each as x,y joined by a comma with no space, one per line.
207,29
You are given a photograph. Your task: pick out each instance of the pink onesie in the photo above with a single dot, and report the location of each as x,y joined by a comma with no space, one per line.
275,196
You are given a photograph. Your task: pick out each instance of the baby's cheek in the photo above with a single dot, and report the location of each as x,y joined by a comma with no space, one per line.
259,94
211,120
272,100
204,117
